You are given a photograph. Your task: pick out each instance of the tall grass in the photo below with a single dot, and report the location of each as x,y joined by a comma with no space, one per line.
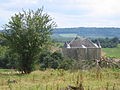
106,79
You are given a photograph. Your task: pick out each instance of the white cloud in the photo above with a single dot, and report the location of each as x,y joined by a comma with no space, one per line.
100,7
69,13
103,7
99,13
19,3
5,16
82,21
10,7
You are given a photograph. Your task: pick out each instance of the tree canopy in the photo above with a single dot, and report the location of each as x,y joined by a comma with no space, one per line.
26,34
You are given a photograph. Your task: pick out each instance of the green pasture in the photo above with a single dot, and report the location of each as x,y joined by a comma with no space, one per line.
68,35
112,52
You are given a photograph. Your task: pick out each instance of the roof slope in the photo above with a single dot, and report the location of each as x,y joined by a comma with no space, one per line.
81,43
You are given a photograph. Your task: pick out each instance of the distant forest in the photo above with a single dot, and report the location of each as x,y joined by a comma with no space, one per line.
108,37
107,42
90,32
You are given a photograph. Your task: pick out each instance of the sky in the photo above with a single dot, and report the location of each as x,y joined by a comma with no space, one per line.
68,13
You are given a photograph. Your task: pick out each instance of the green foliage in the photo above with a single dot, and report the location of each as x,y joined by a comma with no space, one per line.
27,33
54,60
45,59
67,63
3,61
2,40
8,59
107,42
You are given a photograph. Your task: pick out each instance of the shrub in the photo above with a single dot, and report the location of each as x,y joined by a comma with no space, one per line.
54,60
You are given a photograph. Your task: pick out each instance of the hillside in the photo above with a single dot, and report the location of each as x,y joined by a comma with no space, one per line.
89,32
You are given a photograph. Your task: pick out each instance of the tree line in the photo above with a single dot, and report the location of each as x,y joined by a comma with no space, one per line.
107,42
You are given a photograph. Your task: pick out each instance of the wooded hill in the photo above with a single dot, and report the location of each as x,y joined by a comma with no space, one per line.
89,32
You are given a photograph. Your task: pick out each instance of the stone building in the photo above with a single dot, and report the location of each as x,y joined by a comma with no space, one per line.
82,49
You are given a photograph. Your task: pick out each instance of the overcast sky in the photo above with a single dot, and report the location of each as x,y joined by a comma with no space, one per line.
68,13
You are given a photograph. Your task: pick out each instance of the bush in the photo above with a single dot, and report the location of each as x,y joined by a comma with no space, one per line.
107,42
88,64
8,59
67,63
54,60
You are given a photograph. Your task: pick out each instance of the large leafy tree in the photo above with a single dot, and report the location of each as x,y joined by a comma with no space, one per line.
27,34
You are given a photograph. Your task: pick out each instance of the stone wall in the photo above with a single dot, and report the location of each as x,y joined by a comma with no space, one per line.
82,53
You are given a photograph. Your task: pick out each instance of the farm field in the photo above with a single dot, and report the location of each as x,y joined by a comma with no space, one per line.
89,32
112,52
68,35
105,79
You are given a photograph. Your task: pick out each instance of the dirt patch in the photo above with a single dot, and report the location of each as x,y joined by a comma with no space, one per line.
103,53
117,60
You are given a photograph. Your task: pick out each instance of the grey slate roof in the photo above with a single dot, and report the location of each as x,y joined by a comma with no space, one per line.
79,42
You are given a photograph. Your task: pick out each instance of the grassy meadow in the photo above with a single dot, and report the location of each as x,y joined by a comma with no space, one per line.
105,79
50,79
112,52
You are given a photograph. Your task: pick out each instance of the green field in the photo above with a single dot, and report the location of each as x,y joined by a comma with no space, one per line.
112,52
105,79
68,35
